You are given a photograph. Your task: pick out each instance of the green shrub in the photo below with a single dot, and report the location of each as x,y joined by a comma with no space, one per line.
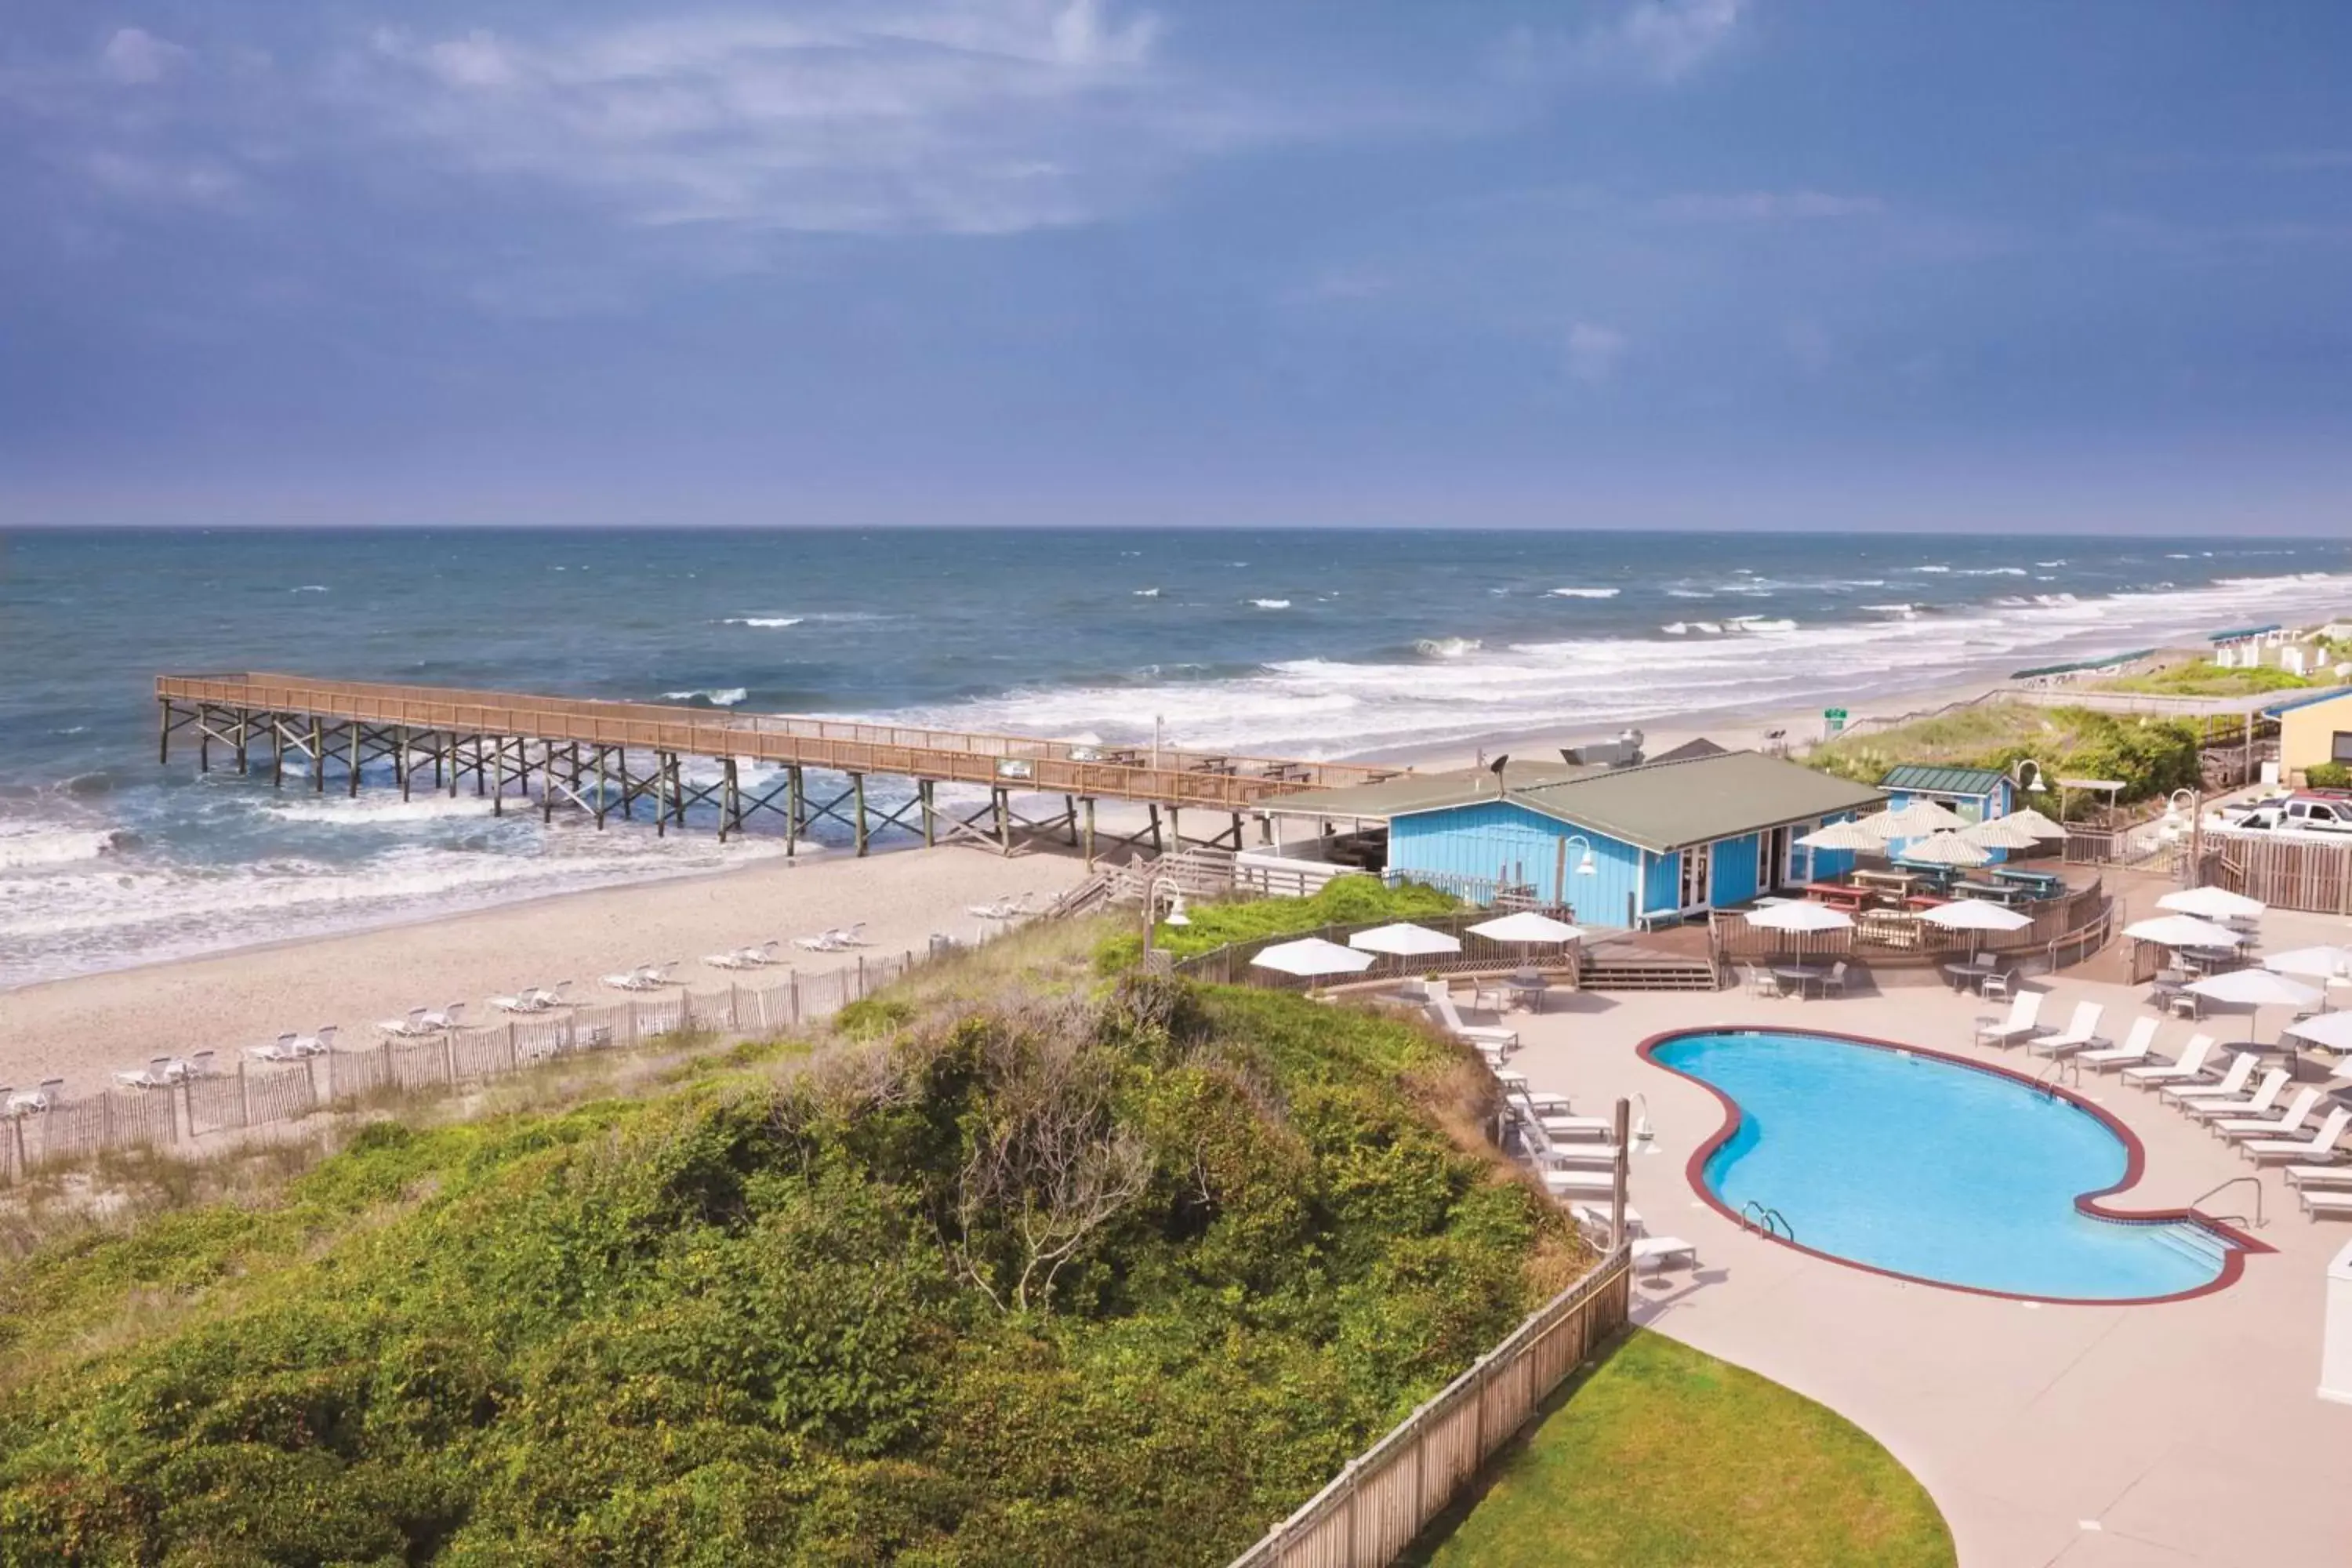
769,1317
2328,775
1342,900
2149,757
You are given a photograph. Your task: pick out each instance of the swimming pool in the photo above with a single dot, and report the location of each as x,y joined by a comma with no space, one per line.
1932,1168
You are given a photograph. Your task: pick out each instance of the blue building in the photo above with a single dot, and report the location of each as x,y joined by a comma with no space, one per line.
1973,795
1623,845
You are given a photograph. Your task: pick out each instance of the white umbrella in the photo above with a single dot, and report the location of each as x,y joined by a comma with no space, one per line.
1798,916
1945,849
2331,1030
2182,930
1844,836
2333,964
2001,833
1312,956
1974,914
2033,821
2253,988
1405,940
2211,904
1526,926
1916,820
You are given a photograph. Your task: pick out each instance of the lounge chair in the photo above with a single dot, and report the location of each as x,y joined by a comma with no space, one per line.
759,953
1596,1156
1661,1251
558,995
2230,1085
526,1000
2263,1101
822,942
2024,1015
733,959
2191,1064
157,1074
850,935
32,1101
2081,1030
2318,1176
318,1044
2326,1203
449,1018
2320,1145
413,1025
1487,1036
1579,1128
1832,985
1762,982
1579,1183
644,977
1593,1220
2131,1053
2246,1129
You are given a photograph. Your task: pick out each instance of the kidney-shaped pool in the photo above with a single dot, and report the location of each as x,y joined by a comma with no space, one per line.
1935,1169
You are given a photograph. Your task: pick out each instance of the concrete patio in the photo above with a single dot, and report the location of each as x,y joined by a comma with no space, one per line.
2181,1433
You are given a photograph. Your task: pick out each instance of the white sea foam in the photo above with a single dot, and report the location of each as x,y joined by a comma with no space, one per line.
376,804
1989,571
2060,563
1447,648
1891,609
718,697
1931,569
1689,594
763,620
1271,604
1761,624
26,846
1146,593
1584,592
308,588
1710,627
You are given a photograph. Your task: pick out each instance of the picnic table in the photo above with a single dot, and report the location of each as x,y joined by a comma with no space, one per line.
1838,896
1898,881
2002,893
2044,884
1800,976
1970,973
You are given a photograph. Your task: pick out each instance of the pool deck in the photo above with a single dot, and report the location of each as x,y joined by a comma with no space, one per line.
2180,1433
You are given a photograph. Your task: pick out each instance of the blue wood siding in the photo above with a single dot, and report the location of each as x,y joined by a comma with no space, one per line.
1494,838
1732,879
1663,884
1827,864
1975,807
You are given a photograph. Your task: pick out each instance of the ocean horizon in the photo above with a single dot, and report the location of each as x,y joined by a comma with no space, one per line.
1306,641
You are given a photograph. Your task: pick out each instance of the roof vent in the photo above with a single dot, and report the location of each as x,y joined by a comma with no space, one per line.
1623,752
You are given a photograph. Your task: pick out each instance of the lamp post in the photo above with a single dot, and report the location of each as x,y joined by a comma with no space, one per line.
2196,828
1584,867
1176,915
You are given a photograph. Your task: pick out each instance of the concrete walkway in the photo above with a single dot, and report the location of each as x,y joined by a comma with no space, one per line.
2185,1433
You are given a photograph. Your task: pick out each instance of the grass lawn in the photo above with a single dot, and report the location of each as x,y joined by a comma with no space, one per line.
1666,1456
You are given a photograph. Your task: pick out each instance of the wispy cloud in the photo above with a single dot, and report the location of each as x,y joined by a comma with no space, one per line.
136,57
1762,206
1594,351
1657,41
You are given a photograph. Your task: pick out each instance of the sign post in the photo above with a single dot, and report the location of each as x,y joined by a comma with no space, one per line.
1832,720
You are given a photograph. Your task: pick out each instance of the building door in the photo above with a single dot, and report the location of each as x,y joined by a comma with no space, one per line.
1773,874
1695,867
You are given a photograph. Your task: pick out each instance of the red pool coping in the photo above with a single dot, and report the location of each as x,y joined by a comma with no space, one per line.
2233,1260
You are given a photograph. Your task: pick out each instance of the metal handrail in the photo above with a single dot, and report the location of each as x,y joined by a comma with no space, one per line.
2047,1080
1766,1220
2255,1181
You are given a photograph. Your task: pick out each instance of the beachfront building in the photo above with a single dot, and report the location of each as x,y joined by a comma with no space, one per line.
2313,730
1973,795
1621,846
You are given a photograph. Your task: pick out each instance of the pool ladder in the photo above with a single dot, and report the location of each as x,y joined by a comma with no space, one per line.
1765,1220
2257,1222
2064,1067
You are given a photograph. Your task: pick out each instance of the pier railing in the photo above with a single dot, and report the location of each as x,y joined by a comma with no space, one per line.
1167,775
1386,1496
255,1094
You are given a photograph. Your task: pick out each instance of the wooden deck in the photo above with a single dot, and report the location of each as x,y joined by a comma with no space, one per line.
602,755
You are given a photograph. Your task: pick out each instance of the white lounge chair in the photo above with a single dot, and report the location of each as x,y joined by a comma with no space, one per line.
1832,985
759,953
2318,1176
733,959
1581,1129
1761,981
1591,1156
1483,1036
2320,1145
2230,1085
2025,1016
2263,1101
2136,1049
449,1018
2081,1030
822,942
1661,1251
318,1044
1593,1220
1579,1183
32,1101
2192,1063
644,977
414,1023
157,1074
2325,1204
2244,1128
557,995
526,1000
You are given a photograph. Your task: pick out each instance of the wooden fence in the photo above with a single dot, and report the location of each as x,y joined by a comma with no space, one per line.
1384,1498
1886,936
2284,872
255,1094
1230,964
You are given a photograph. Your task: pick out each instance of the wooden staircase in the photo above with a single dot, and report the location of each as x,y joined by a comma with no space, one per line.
1621,964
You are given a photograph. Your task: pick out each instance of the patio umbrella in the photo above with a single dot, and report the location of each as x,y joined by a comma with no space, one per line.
2333,964
1526,926
2258,989
1850,835
2183,930
1312,957
2033,821
2001,833
2211,904
1796,918
1916,820
1405,940
1974,914
1946,847
2330,1031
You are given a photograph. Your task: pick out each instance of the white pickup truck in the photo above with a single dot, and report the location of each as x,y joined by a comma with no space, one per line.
2300,813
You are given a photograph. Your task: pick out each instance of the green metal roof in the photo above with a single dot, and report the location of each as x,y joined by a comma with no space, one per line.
2333,694
2081,664
1933,779
1664,807
2234,633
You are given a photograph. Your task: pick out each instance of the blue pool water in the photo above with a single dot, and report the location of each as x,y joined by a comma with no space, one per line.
1932,1169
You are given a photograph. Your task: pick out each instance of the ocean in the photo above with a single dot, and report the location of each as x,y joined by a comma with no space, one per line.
1304,643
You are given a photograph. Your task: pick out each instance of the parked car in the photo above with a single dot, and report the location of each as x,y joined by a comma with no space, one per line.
2327,812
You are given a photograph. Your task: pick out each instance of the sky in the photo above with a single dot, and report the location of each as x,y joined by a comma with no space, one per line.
1619,263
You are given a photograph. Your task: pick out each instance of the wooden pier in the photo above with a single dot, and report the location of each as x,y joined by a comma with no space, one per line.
605,757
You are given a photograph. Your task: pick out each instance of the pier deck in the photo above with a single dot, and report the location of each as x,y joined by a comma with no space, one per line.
601,757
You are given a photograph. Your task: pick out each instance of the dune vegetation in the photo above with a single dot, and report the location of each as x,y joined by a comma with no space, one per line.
1342,900
1021,1265
2150,757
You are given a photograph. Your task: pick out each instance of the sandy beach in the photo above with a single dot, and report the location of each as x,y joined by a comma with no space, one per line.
83,1029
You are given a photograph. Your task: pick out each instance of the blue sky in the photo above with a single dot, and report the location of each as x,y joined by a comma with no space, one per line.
1701,263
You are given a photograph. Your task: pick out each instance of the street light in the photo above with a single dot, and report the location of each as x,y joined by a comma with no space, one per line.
1584,866
2018,773
1176,915
2195,828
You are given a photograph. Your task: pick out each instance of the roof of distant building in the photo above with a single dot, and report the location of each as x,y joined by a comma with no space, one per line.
1927,778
